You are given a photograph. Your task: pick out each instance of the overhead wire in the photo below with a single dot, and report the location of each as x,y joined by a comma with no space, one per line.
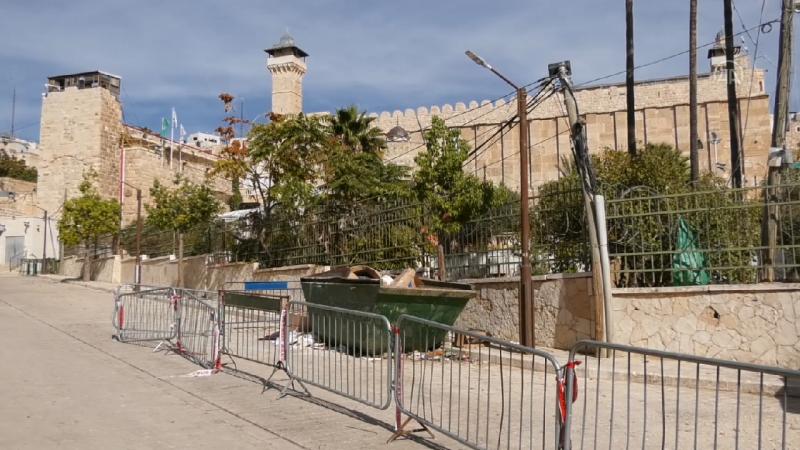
668,57
759,26
472,110
531,105
753,62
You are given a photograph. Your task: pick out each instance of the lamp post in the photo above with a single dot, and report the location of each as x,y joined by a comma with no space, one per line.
527,332
137,276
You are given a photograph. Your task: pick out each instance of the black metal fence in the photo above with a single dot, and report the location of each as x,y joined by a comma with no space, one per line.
704,237
710,236
393,237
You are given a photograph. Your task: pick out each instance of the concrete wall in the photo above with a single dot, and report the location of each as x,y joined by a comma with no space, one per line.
751,323
563,308
163,271
31,229
106,270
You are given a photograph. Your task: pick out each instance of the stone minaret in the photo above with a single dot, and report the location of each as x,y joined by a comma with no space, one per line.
287,63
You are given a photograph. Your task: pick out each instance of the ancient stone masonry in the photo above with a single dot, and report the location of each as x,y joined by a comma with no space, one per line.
662,115
82,130
147,159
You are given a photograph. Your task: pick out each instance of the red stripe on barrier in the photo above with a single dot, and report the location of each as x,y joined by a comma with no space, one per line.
562,389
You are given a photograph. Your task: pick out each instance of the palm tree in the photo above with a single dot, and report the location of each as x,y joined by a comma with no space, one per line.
354,130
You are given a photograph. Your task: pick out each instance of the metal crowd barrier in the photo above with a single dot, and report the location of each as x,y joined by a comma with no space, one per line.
147,315
673,400
184,318
343,351
487,393
198,334
251,326
290,289
480,391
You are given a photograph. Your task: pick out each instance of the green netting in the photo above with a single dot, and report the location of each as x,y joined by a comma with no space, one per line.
688,264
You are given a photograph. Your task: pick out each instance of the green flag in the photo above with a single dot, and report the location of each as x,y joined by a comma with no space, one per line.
164,127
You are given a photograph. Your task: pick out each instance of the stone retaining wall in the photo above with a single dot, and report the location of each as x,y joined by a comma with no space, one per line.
750,323
563,308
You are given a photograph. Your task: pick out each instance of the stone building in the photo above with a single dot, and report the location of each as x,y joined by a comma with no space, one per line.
662,116
82,130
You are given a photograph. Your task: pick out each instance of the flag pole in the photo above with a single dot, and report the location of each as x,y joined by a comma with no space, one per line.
171,144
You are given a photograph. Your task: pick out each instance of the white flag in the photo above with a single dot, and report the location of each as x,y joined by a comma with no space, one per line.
183,132
174,118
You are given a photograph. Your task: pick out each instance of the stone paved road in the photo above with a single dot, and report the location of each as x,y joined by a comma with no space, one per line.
66,384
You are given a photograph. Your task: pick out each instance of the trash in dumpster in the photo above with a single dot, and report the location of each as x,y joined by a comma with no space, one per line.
363,288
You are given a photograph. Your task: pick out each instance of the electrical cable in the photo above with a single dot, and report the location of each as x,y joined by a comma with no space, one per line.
480,149
752,66
422,130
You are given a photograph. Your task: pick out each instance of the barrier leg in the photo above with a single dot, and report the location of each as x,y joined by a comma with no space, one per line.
283,344
400,424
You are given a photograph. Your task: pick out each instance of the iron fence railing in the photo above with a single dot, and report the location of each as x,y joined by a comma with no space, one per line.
703,237
388,236
711,236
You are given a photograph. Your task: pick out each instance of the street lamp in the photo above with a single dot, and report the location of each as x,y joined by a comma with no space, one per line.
137,277
527,332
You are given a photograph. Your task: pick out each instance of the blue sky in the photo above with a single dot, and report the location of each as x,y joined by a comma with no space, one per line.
378,55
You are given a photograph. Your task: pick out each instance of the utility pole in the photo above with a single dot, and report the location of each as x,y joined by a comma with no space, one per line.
13,110
44,244
629,68
733,102
781,114
601,275
528,337
137,279
693,153
527,332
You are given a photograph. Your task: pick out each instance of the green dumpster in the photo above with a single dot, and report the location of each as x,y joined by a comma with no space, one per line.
433,300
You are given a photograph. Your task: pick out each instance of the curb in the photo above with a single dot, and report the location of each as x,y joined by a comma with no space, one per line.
81,283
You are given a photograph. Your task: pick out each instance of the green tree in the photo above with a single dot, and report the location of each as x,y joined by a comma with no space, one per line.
356,132
646,213
87,218
16,168
450,195
180,209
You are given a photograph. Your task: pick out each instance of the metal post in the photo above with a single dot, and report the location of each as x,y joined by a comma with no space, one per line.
605,266
629,68
442,269
694,157
733,102
44,244
137,279
781,115
527,333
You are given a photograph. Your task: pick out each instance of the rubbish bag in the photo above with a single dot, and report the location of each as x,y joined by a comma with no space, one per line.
688,264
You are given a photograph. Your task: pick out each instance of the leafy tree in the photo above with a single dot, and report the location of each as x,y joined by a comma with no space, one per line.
451,196
13,167
87,218
722,219
180,209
